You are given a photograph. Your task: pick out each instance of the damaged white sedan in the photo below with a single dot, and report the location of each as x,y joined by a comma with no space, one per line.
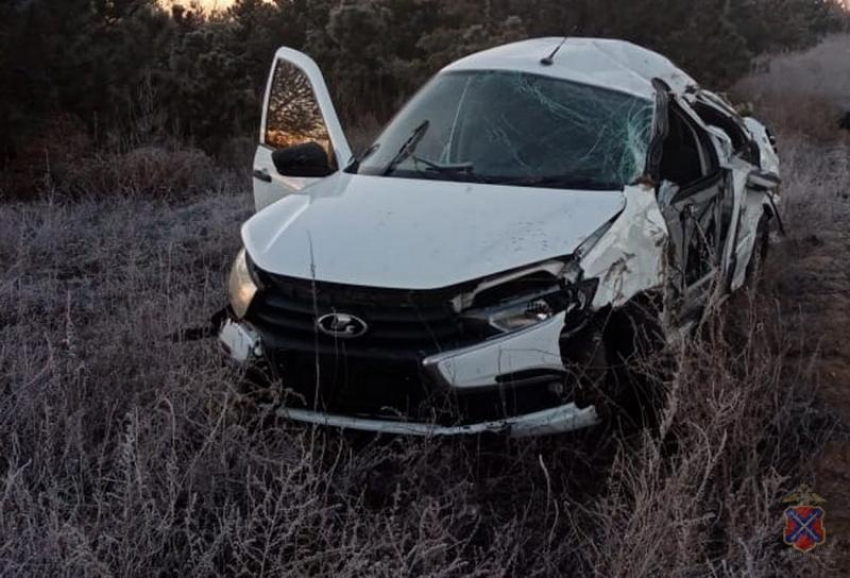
466,271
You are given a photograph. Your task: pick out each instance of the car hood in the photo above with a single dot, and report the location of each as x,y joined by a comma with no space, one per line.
420,234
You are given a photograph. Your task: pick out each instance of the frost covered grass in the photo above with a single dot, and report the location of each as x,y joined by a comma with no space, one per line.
126,453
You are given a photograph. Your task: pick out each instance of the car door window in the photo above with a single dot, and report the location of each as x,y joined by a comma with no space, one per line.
683,159
293,116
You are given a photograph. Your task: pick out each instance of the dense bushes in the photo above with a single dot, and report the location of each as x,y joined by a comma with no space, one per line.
127,73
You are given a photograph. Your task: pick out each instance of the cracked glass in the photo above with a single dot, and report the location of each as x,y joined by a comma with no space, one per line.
516,128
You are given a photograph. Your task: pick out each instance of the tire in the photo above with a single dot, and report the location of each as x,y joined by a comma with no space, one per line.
621,393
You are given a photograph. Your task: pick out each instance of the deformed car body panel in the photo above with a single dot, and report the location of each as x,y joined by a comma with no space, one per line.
557,420
769,157
750,208
481,365
240,341
631,257
599,62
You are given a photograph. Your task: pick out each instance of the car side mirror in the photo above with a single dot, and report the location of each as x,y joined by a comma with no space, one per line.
763,180
303,160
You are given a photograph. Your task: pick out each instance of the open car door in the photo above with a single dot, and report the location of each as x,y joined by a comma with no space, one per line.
299,123
697,203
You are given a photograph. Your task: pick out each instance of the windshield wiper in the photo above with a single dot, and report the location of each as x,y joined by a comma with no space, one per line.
453,169
408,147
443,168
354,166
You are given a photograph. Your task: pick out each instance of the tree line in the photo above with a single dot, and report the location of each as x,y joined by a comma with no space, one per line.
117,73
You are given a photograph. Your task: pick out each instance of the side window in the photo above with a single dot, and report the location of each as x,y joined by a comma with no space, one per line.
293,116
713,116
682,160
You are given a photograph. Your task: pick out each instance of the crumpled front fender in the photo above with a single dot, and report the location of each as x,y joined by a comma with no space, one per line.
631,256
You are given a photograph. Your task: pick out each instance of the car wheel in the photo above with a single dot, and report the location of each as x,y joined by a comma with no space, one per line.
616,349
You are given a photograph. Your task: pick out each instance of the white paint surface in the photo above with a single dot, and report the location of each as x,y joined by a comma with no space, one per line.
537,347
612,64
420,234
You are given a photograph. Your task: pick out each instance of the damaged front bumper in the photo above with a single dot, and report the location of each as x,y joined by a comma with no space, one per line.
553,421
519,362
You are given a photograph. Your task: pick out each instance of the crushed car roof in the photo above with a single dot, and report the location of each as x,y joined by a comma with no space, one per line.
613,64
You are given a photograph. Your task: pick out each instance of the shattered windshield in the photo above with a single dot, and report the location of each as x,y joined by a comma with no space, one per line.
515,128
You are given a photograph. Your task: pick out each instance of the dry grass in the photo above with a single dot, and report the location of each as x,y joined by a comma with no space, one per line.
803,93
148,172
69,165
128,454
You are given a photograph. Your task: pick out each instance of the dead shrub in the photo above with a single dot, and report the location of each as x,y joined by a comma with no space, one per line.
812,117
63,141
155,172
804,93
816,186
237,154
364,133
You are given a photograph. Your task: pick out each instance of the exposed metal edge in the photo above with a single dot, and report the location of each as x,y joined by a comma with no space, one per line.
240,341
552,421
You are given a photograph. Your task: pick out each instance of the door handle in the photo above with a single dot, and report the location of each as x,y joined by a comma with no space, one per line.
262,175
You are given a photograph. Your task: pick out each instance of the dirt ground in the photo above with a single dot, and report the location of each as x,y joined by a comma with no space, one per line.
824,274
815,300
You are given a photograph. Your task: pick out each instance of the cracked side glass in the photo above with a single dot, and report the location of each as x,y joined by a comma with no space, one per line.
517,128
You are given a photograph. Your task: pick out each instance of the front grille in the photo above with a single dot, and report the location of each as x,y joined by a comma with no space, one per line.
377,374
380,373
401,323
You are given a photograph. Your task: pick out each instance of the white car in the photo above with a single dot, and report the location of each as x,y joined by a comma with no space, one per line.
452,278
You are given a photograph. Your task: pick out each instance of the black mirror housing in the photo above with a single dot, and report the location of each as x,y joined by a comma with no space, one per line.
303,160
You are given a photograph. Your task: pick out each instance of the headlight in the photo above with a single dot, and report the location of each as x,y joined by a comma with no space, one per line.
241,287
573,299
521,316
